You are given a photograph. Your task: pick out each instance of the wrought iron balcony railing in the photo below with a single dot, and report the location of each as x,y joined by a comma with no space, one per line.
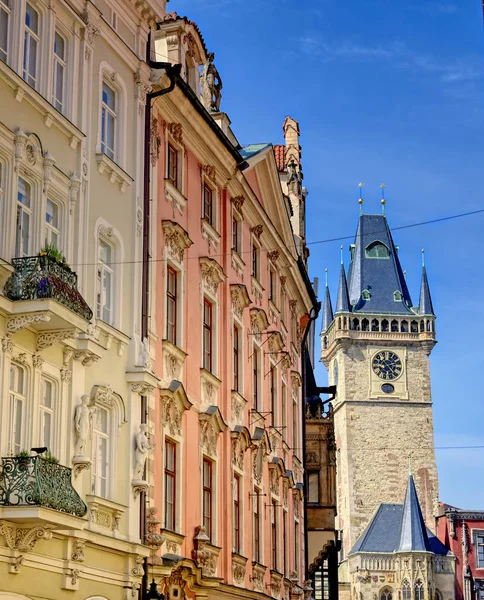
35,481
39,277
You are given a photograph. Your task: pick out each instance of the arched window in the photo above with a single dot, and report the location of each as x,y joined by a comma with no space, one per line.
325,342
365,325
377,250
422,325
438,595
375,325
404,326
356,325
419,590
414,327
406,591
365,295
110,255
344,322
394,325
397,296
339,322
386,594
384,325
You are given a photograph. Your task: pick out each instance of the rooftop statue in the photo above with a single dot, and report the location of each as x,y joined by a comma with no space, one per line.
211,85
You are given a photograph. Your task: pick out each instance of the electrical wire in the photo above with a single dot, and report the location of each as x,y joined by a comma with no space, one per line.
324,241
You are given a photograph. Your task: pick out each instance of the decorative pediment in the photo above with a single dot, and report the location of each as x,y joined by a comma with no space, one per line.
273,256
103,395
276,342
212,274
176,240
238,203
257,231
296,379
240,298
277,469
175,402
261,447
258,320
211,425
241,440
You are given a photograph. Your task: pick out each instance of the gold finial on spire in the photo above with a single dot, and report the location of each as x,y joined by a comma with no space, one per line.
423,257
383,201
360,201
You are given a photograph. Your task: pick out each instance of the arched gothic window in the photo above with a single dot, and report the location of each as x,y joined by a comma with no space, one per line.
404,327
375,325
414,327
377,250
356,325
365,325
419,590
394,325
406,591
384,325
386,594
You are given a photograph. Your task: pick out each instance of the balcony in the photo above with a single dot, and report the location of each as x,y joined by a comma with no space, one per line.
36,282
36,491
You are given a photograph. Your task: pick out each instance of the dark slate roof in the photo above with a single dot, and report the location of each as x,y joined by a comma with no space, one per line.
399,528
413,533
380,276
327,311
425,306
343,301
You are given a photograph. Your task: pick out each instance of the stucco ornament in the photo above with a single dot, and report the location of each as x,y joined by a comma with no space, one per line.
82,424
211,85
143,447
204,555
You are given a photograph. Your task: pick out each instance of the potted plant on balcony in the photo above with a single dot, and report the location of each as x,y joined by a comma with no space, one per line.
23,457
53,252
50,458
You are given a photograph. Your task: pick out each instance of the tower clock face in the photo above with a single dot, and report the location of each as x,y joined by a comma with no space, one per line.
387,365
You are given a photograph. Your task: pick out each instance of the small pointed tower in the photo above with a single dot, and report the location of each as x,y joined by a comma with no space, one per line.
327,308
376,350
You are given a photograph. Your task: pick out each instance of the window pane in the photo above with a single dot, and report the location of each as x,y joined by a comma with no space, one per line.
52,214
31,19
46,430
23,192
25,232
313,485
47,395
109,96
18,413
59,46
102,420
32,60
105,253
3,34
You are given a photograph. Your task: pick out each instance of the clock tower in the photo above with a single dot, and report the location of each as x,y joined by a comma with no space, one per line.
376,346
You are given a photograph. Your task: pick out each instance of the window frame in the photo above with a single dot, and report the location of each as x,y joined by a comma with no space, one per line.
297,546
256,526
172,300
17,397
44,410
273,394
33,36
377,244
207,497
311,474
61,62
21,209
256,378
236,357
175,180
284,409
101,269
208,330
209,209
99,461
478,541
52,229
106,113
255,259
5,10
272,294
237,512
274,535
172,474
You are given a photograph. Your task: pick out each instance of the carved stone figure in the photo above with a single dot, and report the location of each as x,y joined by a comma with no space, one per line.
143,446
211,85
82,424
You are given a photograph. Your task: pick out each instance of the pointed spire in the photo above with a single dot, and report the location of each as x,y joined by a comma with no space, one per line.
327,308
425,304
343,301
360,201
383,201
413,533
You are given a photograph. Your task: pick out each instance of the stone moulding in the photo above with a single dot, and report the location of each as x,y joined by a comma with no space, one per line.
175,403
205,554
239,569
257,577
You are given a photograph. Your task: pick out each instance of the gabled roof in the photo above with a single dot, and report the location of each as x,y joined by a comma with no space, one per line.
425,306
399,528
381,277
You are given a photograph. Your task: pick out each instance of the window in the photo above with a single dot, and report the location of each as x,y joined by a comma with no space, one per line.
479,546
365,294
24,213
296,547
406,591
207,497
31,42
108,121
4,17
284,410
274,535
313,486
377,250
257,522
236,359
282,306
207,335
47,406
419,590
52,233
236,532
171,305
105,283
208,214
170,485
295,436
397,296
273,392
101,454
172,169
321,582
386,595
255,260
256,378
272,285
284,542
59,71
17,408
236,234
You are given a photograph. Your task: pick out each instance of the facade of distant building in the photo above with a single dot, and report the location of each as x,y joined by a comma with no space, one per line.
230,297
397,556
376,347
463,532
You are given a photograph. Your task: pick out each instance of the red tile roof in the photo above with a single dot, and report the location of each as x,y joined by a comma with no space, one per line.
279,152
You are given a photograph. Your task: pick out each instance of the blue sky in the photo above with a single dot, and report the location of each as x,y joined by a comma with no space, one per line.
388,92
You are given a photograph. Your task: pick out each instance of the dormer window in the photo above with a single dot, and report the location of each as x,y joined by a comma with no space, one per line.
365,295
377,250
352,251
397,296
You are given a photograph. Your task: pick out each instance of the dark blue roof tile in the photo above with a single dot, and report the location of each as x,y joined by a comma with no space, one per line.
343,301
327,311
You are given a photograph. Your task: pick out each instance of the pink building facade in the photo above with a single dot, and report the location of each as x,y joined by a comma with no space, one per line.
228,309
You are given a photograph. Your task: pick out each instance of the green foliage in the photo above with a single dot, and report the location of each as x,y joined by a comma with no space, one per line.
52,251
23,454
50,458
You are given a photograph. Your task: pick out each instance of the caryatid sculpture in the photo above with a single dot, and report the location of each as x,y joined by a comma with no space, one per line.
211,85
82,425
143,446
